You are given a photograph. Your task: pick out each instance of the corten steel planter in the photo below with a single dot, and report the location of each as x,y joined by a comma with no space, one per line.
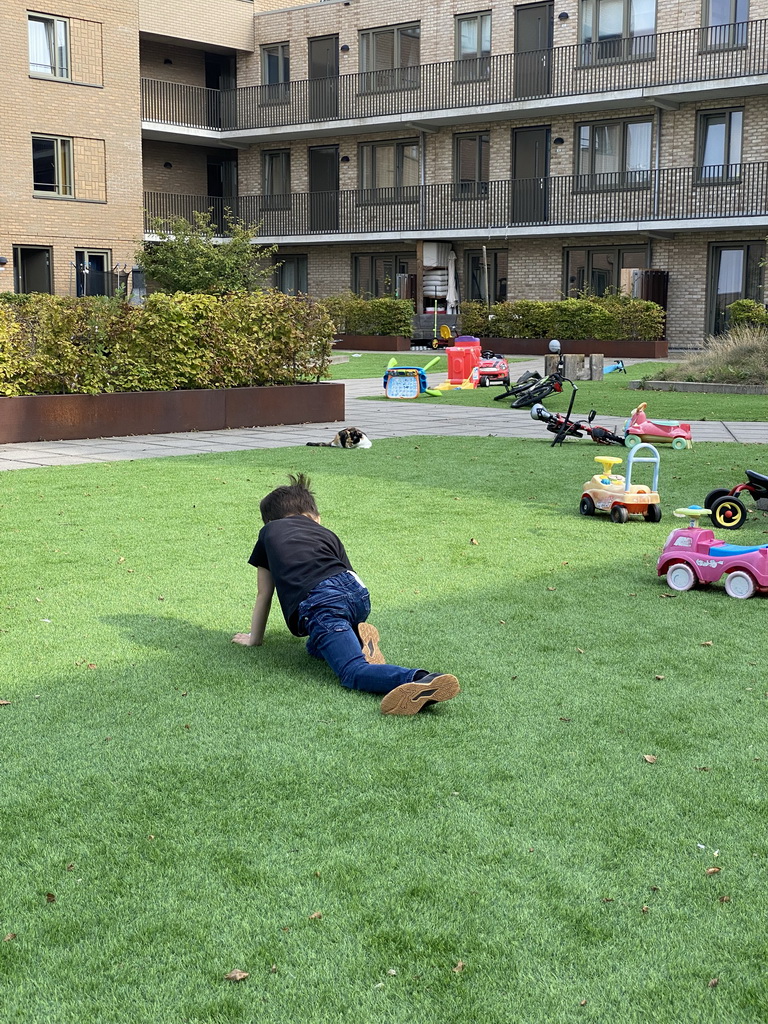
72,417
615,349
373,342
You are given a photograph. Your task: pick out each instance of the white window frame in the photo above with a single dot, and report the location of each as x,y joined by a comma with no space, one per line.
55,29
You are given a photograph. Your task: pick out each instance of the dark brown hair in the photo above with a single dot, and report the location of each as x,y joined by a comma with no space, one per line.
292,499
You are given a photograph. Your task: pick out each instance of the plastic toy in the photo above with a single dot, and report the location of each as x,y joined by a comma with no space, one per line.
407,381
694,555
493,369
562,426
727,510
639,428
614,367
620,498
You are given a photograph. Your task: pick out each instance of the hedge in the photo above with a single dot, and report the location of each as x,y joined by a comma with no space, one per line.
611,318
354,315
55,345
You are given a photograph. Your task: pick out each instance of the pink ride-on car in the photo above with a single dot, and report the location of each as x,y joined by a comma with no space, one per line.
639,428
694,555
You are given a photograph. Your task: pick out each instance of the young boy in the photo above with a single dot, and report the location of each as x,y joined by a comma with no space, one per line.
322,598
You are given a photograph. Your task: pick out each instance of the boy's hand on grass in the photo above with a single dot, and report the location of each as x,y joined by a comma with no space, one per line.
244,639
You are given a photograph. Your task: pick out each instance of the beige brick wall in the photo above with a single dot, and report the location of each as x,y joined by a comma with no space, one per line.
186,67
103,123
225,23
188,175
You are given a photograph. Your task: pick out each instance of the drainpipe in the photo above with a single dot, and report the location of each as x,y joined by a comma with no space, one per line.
656,164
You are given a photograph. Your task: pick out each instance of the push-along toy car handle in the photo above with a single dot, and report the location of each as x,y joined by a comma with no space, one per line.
608,462
692,514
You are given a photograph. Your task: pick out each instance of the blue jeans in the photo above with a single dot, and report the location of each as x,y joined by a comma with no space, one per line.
330,615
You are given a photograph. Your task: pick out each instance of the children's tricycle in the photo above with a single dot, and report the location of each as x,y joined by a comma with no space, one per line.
639,428
694,555
726,509
620,498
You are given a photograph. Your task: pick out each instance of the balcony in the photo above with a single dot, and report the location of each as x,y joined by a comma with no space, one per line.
672,199
669,67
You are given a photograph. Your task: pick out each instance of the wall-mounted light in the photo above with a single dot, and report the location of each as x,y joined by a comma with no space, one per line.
345,160
559,141
3,262
345,48
563,16
167,165
167,61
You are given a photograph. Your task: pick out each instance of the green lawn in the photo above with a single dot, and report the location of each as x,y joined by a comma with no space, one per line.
612,397
175,806
373,364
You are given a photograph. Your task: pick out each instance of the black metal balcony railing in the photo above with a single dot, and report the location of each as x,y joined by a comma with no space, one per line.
644,62
671,194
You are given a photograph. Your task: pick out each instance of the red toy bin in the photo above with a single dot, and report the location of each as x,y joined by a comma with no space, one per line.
463,357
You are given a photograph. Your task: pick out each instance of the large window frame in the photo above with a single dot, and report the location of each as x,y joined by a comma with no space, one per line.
93,270
476,262
721,131
624,138
52,166
276,73
617,30
290,275
724,29
401,157
49,52
382,270
471,164
472,47
587,269
390,57
276,168
735,272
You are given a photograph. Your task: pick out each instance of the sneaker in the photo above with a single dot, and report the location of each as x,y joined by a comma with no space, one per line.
369,638
409,698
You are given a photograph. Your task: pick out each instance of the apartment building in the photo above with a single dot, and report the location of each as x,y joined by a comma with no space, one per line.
549,147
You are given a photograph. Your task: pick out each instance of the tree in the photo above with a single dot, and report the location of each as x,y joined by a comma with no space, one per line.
191,257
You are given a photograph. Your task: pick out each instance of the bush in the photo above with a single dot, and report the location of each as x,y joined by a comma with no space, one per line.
52,345
746,311
613,317
354,315
738,357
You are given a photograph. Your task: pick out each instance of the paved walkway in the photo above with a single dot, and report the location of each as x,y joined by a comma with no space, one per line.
377,419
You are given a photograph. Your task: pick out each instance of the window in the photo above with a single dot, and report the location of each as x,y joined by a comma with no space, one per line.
489,267
617,29
735,272
473,47
725,24
375,275
52,165
389,58
32,269
720,136
93,269
291,275
275,73
613,154
48,46
277,179
604,269
470,164
389,171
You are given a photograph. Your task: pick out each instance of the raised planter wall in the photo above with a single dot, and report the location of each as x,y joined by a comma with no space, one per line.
373,342
72,417
585,347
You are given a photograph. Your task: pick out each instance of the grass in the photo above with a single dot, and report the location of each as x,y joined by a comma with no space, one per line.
738,357
612,397
509,856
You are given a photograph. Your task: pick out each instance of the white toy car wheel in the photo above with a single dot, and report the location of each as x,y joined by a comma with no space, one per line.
680,577
739,584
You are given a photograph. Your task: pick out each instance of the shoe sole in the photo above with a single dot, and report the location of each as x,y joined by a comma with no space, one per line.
410,698
369,638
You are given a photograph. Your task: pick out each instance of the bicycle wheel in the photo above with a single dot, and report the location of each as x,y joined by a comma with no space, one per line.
534,394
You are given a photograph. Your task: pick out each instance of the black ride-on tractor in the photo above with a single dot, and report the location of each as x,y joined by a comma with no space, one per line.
727,510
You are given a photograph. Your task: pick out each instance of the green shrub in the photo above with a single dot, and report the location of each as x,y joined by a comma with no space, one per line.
609,318
746,311
354,315
52,345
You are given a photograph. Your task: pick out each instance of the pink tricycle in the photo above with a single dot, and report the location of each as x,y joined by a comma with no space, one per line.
639,428
694,555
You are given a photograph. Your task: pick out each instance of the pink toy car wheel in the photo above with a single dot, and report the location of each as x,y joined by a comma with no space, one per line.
739,584
680,576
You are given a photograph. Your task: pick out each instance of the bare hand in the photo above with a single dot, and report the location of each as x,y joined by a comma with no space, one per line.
243,638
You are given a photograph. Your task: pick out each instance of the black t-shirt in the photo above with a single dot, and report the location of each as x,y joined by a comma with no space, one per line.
299,554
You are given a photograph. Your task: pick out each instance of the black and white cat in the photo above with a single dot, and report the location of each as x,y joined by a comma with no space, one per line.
348,437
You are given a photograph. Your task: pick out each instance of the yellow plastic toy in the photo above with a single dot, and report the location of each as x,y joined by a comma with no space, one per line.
619,497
